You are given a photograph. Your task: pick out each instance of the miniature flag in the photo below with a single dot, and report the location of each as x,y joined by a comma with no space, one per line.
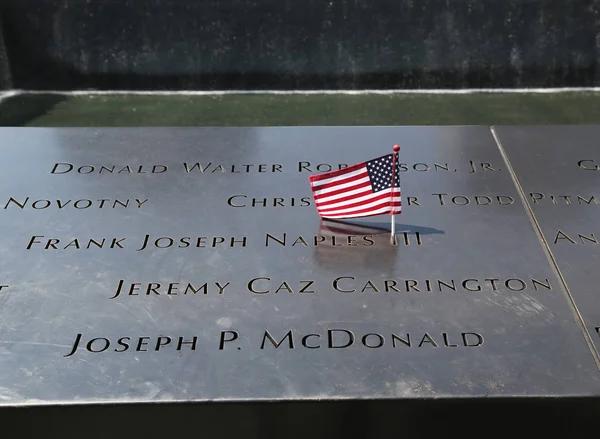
364,189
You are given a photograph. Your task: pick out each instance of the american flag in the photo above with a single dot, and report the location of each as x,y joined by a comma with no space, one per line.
363,189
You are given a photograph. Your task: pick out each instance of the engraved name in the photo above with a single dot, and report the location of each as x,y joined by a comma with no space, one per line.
149,242
442,199
3,286
66,168
344,338
541,198
197,242
479,200
471,167
342,284
74,243
169,289
134,344
350,284
324,339
161,242
588,165
84,203
210,167
246,201
287,240
574,238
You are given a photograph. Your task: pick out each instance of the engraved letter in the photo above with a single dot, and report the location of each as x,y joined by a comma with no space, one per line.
330,338
446,342
478,201
535,196
541,284
594,167
336,286
182,342
272,340
305,341
519,281
401,340
116,243
33,241
142,343
377,344
68,165
500,198
441,197
197,165
479,341
221,287
44,204
590,238
119,287
561,235
21,205
77,340
91,342
121,342
427,339
308,284
304,166
280,242
226,337
465,286
230,201
144,244
160,342
251,285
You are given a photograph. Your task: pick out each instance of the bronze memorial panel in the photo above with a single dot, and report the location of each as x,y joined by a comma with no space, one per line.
160,264
558,170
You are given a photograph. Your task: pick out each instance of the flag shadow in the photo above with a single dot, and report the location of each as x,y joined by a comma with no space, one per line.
345,244
406,228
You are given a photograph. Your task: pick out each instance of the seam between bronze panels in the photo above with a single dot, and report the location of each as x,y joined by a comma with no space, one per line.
547,251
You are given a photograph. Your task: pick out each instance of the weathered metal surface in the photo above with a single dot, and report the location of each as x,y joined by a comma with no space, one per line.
557,167
467,284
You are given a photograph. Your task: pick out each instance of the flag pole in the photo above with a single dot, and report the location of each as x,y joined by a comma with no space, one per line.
396,148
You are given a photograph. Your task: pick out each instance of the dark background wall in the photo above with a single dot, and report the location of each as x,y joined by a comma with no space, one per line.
201,44
5,81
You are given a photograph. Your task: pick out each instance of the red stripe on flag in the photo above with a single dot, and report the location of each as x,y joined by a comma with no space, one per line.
341,181
368,191
369,211
365,184
348,192
385,196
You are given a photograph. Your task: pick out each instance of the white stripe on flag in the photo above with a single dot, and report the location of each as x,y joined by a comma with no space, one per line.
338,177
360,199
345,194
342,186
361,207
